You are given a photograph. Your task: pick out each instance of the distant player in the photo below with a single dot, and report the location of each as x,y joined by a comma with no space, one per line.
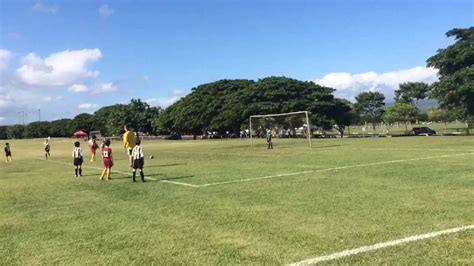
78,158
47,148
138,158
128,142
93,145
269,139
107,159
8,152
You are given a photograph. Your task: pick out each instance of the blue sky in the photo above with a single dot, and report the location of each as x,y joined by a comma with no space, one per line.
68,57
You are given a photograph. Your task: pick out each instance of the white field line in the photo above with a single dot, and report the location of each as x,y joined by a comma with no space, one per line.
351,252
331,169
393,149
255,178
179,183
98,168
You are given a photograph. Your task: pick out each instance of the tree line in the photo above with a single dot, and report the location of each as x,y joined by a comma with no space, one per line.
225,105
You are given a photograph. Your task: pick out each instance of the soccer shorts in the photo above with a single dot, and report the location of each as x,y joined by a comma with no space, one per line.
108,163
78,161
138,163
129,150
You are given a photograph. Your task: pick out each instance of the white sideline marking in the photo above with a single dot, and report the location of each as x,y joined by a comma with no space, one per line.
350,252
179,183
331,169
255,178
395,149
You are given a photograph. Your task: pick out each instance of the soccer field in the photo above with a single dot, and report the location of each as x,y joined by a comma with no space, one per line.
222,202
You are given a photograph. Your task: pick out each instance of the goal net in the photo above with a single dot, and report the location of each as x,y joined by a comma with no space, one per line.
294,126
96,134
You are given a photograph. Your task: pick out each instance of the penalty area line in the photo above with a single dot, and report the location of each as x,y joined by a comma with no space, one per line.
363,249
330,169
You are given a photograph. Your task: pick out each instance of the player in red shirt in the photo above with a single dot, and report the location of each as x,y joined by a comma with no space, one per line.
107,159
93,145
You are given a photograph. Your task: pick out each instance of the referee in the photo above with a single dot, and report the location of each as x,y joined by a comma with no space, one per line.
138,160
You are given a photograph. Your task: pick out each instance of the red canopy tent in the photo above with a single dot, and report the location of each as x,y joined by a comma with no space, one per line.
80,134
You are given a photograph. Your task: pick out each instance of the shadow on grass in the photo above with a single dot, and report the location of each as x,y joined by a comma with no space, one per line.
327,146
176,177
121,176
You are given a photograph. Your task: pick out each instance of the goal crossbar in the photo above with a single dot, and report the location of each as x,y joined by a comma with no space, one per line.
291,113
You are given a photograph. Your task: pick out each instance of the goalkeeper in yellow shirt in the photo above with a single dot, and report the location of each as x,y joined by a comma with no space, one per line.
128,142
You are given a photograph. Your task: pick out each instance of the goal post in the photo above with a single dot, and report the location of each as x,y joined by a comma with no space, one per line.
286,125
95,133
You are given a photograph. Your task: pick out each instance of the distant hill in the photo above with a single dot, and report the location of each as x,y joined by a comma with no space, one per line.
424,105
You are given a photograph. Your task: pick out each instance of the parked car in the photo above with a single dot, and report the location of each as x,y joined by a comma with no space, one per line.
423,131
174,136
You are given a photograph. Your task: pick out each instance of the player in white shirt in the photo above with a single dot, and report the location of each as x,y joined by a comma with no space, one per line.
138,158
78,156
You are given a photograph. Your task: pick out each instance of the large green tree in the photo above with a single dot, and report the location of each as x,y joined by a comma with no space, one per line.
369,105
343,115
216,106
401,112
3,132
411,92
39,129
455,88
16,131
83,122
226,105
61,128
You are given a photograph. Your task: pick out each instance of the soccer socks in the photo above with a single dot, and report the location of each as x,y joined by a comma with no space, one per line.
134,174
108,174
103,174
80,171
75,170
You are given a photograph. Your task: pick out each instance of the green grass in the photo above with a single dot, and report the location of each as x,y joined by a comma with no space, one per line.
48,216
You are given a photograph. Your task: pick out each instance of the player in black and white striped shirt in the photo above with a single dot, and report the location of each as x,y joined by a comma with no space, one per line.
78,158
138,158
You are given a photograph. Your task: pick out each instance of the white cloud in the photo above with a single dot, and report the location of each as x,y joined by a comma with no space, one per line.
88,106
48,99
105,11
94,88
5,57
106,87
2,118
78,88
349,85
62,68
40,7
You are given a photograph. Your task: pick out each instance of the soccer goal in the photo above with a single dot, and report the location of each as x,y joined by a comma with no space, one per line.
294,125
97,134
